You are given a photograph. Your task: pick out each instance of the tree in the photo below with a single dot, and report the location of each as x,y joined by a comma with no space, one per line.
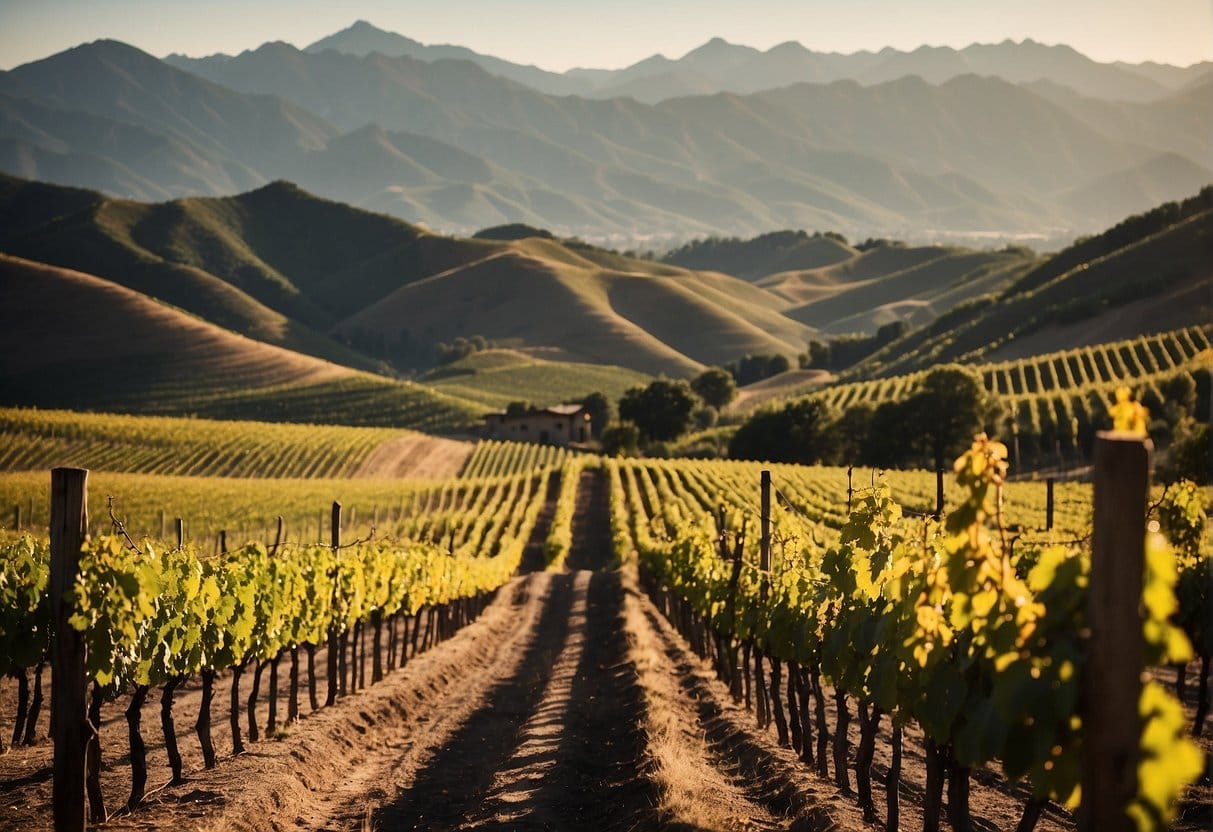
517,408
751,368
715,386
800,432
888,443
1188,456
949,407
599,408
620,439
819,356
851,432
661,411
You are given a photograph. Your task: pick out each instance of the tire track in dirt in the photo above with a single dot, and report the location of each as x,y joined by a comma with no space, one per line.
447,785
561,746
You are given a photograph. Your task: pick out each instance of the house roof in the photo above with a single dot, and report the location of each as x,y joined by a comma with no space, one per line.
554,410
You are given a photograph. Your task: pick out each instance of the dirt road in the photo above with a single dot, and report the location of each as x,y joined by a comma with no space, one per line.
569,704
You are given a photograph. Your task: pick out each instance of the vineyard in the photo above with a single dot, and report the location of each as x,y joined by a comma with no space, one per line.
1064,394
493,458
942,623
855,631
40,439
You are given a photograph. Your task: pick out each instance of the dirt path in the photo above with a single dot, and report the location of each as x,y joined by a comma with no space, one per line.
415,456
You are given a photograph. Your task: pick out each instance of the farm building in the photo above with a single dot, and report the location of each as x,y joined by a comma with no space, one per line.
563,424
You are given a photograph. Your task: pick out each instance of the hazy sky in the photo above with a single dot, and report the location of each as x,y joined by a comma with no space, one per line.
558,34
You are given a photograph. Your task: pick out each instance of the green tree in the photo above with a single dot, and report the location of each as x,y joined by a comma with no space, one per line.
888,443
949,407
661,411
620,439
1188,457
819,356
800,432
851,432
599,408
715,386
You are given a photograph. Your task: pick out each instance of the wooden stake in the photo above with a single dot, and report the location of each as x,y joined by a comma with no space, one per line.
69,710
335,539
1112,683
765,541
1049,504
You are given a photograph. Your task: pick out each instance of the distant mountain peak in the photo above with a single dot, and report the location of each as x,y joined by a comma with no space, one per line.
788,46
363,37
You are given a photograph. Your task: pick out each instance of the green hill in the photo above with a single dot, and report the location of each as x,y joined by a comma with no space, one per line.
536,293
766,254
1150,272
73,340
497,377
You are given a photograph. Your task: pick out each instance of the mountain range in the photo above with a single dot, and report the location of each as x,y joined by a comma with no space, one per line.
1045,144
720,66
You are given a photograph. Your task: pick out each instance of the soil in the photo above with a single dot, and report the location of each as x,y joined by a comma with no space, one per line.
415,456
570,703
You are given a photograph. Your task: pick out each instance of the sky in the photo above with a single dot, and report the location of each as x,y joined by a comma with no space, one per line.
560,34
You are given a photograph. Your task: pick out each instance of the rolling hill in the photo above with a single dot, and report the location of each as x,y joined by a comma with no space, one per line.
71,339
314,276
1149,273
323,291
534,293
497,377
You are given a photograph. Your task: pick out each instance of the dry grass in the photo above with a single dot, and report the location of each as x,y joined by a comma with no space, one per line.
85,316
647,317
694,793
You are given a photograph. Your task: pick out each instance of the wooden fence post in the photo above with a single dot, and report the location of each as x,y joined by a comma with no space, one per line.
765,541
331,664
1116,651
69,714
1049,504
938,493
16,517
179,524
